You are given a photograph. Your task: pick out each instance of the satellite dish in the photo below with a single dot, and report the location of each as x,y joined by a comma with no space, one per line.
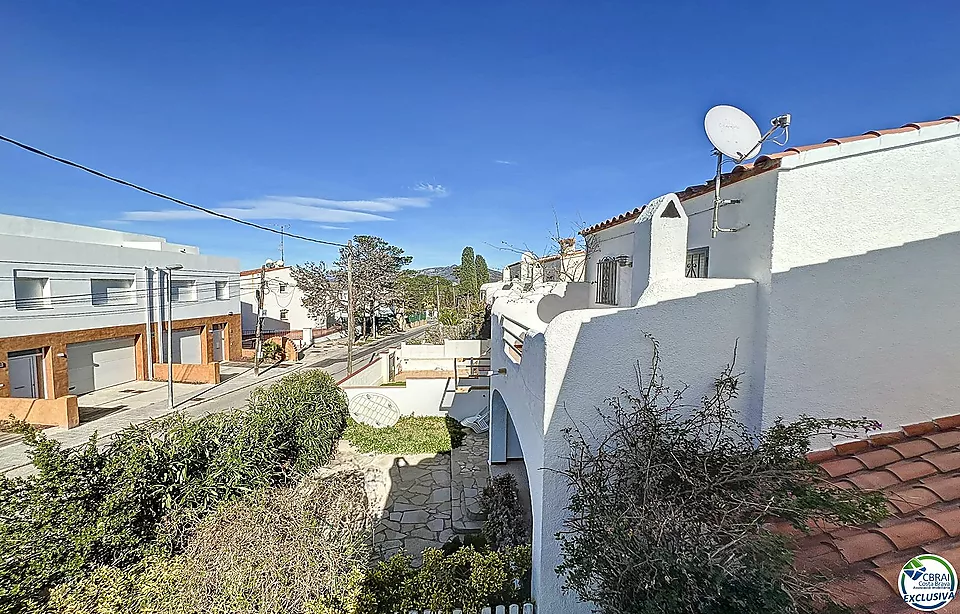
732,132
269,263
278,263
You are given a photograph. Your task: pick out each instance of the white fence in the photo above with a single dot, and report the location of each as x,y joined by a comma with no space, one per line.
526,608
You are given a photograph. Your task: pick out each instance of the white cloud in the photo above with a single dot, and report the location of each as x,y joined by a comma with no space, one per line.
301,208
432,188
505,162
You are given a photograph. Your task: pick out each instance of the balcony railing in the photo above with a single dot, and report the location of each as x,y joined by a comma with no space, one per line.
513,341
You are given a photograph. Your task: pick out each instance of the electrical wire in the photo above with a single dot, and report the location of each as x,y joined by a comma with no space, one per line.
128,184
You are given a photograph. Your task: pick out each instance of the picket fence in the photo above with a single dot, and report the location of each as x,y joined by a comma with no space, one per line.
526,608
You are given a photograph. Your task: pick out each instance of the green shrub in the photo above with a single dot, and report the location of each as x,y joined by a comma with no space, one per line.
272,350
103,505
410,435
504,525
466,579
242,560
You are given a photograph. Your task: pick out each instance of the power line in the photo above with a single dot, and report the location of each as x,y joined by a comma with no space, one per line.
224,216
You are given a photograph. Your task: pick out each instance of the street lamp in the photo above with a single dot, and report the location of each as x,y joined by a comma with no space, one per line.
169,270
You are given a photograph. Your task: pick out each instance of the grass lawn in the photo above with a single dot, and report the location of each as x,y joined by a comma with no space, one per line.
410,435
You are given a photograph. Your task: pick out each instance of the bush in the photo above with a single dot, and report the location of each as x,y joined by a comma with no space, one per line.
242,559
104,504
504,525
466,579
670,505
271,350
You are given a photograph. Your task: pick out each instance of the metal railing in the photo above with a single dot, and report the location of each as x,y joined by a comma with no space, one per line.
514,348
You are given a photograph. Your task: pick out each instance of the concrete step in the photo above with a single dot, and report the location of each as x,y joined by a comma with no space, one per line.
469,473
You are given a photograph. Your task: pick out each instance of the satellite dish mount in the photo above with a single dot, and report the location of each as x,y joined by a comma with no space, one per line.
735,136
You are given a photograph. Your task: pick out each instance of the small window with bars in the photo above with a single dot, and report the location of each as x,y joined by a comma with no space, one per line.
283,315
697,260
607,281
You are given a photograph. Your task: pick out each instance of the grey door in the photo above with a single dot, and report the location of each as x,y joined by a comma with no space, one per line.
99,364
23,376
217,343
186,346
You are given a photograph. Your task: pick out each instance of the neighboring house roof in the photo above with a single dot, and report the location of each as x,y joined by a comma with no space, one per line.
769,162
257,271
918,468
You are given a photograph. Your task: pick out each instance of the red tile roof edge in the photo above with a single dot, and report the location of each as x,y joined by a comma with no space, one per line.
764,163
877,440
255,271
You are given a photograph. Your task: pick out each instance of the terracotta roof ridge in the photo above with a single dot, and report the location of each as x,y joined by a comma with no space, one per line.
770,161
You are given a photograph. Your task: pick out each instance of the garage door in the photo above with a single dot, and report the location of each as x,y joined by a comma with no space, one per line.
98,364
186,346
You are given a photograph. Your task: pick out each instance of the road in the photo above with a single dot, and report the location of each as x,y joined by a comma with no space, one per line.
199,401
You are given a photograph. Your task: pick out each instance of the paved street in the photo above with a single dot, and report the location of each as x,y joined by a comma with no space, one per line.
139,401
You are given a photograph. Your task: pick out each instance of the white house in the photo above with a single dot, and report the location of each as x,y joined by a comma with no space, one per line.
839,293
79,308
283,308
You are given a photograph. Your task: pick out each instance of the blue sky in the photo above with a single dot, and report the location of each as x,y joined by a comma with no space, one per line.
432,124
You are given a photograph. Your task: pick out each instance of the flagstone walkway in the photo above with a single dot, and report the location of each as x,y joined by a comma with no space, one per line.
411,494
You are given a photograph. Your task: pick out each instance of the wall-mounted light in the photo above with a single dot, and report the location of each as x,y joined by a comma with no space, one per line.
624,260
61,355
3,365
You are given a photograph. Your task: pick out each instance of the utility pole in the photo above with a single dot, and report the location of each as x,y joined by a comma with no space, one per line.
282,226
259,341
350,332
170,270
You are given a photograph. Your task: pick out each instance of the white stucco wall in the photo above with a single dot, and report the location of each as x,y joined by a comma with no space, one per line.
611,242
70,266
865,284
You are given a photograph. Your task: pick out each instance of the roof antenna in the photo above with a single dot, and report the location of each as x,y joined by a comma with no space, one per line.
736,136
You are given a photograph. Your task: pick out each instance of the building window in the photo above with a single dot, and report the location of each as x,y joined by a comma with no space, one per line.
697,260
112,292
223,292
607,281
31,292
183,290
283,315
283,288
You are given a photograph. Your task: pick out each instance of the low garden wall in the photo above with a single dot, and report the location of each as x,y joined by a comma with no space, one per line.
62,411
208,373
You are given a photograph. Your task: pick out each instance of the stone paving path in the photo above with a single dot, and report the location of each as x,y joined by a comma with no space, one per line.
410,494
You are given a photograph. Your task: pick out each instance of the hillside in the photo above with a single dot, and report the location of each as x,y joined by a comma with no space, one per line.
447,272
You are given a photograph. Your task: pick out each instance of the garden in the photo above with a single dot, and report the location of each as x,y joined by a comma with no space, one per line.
242,511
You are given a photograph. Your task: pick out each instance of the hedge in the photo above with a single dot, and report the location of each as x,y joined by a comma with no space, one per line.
149,486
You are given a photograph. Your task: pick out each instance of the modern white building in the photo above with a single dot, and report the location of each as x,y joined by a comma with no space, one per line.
839,293
283,308
80,306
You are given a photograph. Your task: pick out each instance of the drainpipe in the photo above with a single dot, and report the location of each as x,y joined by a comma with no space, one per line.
148,295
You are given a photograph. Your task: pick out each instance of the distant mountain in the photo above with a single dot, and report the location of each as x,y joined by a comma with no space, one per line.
447,273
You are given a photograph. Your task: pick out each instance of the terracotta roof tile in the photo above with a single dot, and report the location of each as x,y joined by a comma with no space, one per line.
947,487
873,480
944,460
841,466
914,447
918,468
879,457
913,499
908,470
864,546
913,533
920,428
948,519
948,422
768,162
852,447
946,439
